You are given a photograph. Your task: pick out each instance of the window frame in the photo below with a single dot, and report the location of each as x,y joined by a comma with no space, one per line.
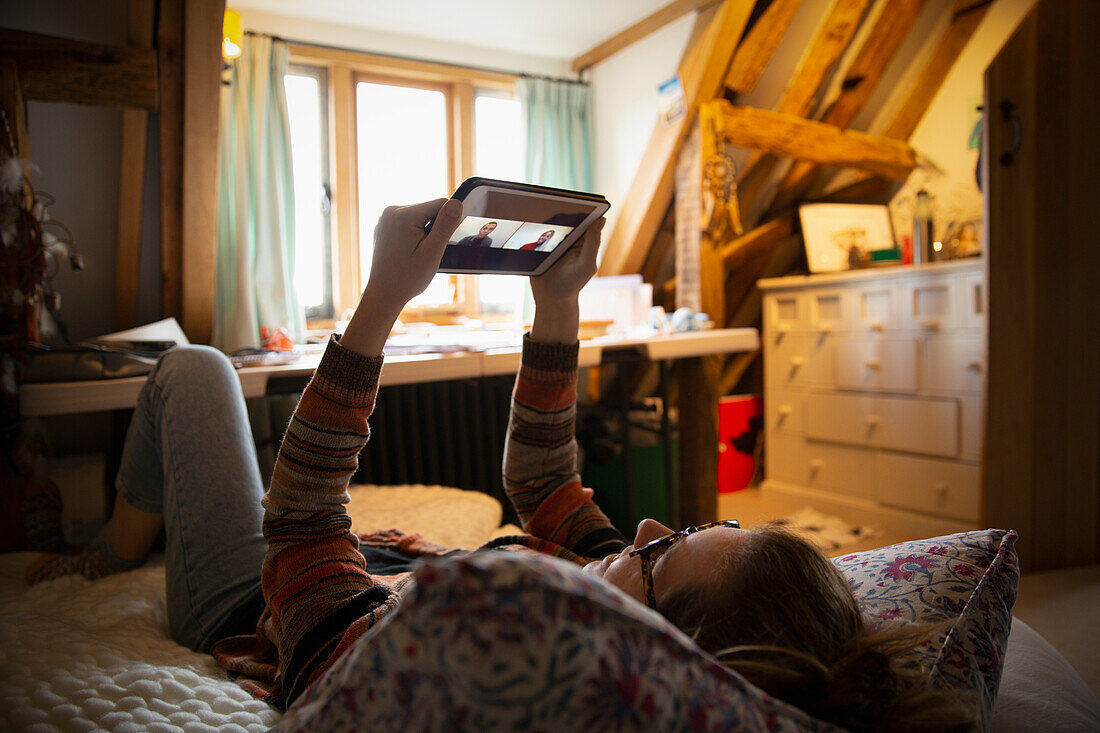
326,309
460,86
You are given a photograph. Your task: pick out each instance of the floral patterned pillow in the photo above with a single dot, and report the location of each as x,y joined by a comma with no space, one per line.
968,581
511,641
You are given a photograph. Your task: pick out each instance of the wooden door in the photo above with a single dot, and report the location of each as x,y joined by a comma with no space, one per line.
1042,177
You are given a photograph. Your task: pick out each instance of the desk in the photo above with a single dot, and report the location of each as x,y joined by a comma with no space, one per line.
697,411
64,398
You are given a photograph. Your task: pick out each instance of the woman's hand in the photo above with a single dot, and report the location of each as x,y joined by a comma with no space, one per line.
557,312
405,260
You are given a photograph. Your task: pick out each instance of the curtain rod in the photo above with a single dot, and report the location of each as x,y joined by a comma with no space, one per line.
330,47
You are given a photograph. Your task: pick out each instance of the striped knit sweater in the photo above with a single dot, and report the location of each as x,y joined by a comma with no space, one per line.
320,597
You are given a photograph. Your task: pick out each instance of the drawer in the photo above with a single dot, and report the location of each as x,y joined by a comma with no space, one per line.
927,485
785,313
918,425
930,304
973,427
876,308
797,361
952,363
829,310
832,468
871,363
783,412
971,300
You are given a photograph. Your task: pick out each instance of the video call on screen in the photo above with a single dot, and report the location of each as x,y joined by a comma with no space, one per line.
508,243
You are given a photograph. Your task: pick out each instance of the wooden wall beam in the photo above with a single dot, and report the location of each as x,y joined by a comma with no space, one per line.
11,99
170,121
131,178
759,46
649,24
62,70
202,37
790,135
702,73
889,32
832,38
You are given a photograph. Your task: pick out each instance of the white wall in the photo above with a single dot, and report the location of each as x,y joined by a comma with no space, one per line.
391,44
624,100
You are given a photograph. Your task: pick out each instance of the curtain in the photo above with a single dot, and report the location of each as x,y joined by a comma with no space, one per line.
557,119
255,228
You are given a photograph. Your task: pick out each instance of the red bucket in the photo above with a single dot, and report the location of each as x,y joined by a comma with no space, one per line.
739,425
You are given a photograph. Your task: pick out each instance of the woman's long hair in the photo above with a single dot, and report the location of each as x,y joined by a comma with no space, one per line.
779,613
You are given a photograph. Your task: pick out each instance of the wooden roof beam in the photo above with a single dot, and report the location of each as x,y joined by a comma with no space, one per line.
832,38
62,70
647,25
796,137
759,46
889,32
702,74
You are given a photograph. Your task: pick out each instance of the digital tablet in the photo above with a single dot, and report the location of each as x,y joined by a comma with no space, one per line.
513,228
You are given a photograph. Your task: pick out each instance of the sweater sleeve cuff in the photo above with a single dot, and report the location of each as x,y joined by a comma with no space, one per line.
346,376
549,362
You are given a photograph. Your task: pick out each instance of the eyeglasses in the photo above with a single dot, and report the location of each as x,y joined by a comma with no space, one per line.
651,552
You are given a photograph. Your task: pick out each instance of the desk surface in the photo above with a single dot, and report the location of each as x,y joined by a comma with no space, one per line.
60,398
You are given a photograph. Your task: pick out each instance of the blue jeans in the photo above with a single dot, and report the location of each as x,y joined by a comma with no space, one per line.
189,456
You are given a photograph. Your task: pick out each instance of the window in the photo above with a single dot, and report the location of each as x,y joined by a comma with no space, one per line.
391,131
306,93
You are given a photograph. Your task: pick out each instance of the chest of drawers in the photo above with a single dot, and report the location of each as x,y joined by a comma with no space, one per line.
874,393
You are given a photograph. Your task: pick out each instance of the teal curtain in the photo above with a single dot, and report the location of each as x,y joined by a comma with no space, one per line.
255,234
557,119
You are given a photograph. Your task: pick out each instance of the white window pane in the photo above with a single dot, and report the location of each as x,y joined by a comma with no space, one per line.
499,140
499,154
306,144
402,142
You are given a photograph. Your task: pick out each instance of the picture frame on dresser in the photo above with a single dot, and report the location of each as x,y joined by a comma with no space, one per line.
840,236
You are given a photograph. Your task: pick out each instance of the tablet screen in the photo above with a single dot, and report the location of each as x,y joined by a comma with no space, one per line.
505,231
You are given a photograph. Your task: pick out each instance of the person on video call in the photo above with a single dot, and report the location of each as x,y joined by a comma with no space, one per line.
482,239
543,239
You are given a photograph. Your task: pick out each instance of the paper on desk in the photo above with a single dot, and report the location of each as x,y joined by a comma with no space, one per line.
164,330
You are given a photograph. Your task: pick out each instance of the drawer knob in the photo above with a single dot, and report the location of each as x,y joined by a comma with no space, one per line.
825,329
784,410
941,488
872,421
876,327
874,364
974,366
783,328
816,464
930,324
797,361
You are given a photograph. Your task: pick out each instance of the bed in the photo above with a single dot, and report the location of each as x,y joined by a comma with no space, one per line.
76,655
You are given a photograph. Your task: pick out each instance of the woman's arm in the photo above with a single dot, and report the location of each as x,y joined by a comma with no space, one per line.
314,579
540,456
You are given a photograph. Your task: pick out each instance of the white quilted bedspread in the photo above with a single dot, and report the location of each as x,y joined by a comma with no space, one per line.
77,655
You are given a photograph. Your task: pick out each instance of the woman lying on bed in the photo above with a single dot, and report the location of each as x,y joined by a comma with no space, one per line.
279,593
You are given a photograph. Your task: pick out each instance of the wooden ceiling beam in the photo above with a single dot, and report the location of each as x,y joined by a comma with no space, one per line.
647,25
796,137
966,16
702,74
759,46
889,32
62,70
832,38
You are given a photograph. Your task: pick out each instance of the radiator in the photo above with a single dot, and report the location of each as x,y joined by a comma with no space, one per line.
446,433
